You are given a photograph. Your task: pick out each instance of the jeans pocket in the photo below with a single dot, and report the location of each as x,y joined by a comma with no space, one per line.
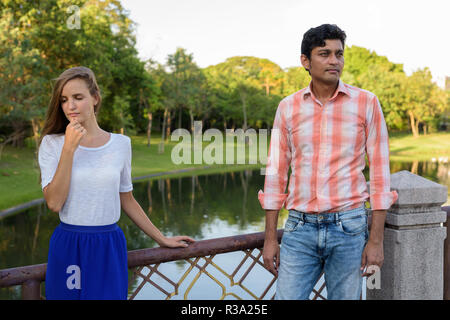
353,225
292,223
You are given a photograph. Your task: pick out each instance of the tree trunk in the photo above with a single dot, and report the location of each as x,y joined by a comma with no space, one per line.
35,126
169,125
161,144
192,121
413,123
149,128
417,127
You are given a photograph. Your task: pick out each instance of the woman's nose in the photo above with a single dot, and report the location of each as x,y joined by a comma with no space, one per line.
72,105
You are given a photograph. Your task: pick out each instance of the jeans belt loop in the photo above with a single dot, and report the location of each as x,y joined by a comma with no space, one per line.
302,217
337,221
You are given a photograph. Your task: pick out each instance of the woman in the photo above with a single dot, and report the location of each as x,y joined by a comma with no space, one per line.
86,177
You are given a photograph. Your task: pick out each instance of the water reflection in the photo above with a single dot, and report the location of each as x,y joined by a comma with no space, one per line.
436,170
203,207
194,205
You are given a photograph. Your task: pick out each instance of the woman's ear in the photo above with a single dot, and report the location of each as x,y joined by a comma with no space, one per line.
96,100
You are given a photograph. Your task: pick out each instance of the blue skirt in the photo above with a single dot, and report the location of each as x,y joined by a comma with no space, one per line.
87,263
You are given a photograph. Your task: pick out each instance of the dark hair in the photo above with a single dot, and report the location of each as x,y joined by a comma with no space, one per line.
315,37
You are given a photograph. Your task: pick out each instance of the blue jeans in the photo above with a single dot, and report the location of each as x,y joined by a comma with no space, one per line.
329,242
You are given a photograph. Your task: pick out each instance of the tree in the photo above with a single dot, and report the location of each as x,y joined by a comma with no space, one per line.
150,94
359,60
184,84
243,78
425,101
295,78
22,79
37,41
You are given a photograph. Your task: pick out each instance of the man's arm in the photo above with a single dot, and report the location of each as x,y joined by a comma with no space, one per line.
274,195
381,196
373,252
271,251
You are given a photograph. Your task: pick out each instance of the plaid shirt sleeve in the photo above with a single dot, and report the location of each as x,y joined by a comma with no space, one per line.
278,164
377,149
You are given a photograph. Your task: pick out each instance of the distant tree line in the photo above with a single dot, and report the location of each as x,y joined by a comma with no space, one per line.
36,45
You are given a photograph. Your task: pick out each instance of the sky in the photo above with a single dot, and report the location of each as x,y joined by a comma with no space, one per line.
414,33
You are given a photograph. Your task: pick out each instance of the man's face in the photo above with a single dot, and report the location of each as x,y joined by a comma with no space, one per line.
326,62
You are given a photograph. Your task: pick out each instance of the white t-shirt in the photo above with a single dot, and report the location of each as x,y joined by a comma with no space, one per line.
98,175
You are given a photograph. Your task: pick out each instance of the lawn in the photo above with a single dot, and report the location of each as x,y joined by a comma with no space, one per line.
19,173
404,147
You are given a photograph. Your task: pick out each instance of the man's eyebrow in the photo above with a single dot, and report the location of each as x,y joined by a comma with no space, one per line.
328,50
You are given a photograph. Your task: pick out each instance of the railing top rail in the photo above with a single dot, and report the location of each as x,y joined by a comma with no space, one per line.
140,257
198,249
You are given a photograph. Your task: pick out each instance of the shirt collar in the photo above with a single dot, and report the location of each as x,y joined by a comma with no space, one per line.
341,88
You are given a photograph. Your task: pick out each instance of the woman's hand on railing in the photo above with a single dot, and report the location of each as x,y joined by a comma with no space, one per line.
176,242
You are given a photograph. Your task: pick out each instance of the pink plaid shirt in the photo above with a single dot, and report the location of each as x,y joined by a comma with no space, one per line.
325,147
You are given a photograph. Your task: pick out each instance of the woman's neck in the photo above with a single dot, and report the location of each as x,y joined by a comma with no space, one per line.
93,130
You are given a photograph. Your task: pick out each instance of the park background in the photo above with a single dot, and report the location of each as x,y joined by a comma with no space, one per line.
144,54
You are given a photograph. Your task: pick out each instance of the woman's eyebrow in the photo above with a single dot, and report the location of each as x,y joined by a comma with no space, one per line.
73,95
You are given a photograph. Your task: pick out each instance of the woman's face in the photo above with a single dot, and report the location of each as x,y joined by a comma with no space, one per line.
77,102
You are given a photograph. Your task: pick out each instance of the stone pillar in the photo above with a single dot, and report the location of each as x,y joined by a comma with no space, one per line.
413,241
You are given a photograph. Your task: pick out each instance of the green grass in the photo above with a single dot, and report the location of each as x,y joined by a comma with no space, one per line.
19,173
404,147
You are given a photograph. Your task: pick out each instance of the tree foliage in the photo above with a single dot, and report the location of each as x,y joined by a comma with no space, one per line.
37,43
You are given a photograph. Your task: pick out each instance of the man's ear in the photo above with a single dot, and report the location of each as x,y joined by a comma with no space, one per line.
306,63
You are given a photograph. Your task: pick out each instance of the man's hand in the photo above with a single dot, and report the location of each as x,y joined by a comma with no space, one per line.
271,256
373,254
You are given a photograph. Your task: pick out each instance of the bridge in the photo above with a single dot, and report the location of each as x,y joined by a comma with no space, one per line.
416,256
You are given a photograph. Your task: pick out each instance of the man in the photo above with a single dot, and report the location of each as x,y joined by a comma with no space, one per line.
323,133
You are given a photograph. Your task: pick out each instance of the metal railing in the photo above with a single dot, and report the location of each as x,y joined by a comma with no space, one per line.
31,277
200,257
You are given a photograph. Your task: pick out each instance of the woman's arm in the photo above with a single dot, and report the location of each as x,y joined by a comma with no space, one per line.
55,193
138,216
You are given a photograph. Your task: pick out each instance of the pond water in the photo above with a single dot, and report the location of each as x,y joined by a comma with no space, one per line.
203,207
